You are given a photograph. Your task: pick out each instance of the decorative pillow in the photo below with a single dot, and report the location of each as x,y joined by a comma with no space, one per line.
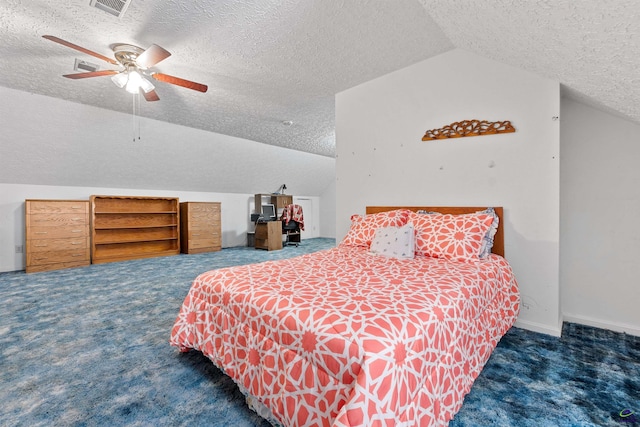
448,236
394,242
363,228
487,240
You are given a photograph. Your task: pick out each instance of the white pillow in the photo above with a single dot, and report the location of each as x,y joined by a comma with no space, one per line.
394,242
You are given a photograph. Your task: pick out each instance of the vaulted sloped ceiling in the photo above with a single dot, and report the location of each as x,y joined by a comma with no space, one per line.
267,62
591,47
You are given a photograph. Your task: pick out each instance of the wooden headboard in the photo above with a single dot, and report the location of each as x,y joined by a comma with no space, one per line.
498,240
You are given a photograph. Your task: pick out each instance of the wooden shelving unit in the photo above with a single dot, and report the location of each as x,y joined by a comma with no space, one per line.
124,227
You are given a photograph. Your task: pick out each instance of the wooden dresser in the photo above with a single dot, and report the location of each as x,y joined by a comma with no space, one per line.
126,227
57,234
200,227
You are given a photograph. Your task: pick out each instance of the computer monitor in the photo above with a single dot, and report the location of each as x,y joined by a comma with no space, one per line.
269,212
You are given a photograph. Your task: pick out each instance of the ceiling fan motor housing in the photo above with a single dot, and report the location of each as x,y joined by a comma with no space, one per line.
126,54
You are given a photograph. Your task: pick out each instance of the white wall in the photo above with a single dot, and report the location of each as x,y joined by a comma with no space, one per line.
381,159
236,209
600,219
48,141
328,211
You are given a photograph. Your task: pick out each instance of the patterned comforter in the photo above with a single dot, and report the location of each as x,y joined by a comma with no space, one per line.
345,338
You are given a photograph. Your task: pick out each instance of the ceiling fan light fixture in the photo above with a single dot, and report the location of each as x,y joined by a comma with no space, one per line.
120,79
146,85
134,82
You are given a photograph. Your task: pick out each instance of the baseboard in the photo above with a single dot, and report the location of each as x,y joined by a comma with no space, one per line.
539,327
597,323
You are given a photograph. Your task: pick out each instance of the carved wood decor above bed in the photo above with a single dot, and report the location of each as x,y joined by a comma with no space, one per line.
498,240
469,128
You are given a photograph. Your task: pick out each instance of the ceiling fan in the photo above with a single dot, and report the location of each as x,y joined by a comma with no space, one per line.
135,63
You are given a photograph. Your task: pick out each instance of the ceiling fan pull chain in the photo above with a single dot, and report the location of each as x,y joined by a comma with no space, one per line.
137,96
133,116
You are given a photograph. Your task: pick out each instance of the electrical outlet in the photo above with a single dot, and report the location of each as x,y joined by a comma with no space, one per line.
19,249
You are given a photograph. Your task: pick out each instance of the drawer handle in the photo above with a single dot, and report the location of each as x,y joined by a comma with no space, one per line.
40,246
42,232
41,259
77,255
76,207
76,243
76,231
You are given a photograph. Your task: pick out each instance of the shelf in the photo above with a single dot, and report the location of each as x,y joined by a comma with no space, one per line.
133,213
134,227
140,220
118,252
117,242
131,227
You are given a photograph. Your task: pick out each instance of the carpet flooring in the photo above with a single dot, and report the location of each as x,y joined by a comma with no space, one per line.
89,347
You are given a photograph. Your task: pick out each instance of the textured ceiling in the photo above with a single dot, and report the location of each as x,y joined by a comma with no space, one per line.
265,61
268,61
590,46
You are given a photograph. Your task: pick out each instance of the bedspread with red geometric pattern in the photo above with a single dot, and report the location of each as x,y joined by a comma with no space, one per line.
344,338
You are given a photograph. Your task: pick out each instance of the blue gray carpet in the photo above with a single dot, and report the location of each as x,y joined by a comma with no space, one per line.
89,347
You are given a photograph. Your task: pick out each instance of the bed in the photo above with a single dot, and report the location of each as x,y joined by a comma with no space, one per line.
351,336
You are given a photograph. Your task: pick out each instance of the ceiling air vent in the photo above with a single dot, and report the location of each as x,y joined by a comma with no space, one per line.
114,7
81,65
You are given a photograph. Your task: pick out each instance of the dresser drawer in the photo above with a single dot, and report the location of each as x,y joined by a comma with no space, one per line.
204,217
204,243
204,206
49,232
56,219
54,257
57,206
207,233
46,245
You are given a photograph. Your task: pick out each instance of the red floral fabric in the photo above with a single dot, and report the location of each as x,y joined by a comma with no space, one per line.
344,338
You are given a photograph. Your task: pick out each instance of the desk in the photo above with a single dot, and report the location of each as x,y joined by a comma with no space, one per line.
269,235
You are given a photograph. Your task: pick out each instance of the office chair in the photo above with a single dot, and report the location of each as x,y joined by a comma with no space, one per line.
292,223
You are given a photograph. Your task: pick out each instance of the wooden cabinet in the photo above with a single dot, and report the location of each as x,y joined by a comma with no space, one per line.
200,227
279,201
269,235
57,234
126,228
